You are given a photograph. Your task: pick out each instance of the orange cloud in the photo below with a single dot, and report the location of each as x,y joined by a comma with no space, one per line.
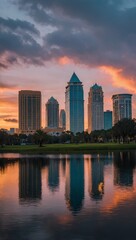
64,60
119,80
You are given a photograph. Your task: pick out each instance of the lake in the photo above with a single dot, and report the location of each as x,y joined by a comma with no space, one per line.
61,197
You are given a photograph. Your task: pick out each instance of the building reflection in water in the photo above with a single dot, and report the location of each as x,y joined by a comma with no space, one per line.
74,191
29,180
124,165
53,174
96,177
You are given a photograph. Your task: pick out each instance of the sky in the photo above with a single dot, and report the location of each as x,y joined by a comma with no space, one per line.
43,42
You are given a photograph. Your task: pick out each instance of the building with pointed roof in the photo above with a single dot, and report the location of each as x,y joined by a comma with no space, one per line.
95,108
74,105
52,113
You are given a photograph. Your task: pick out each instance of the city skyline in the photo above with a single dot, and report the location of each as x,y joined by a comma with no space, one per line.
53,101
102,57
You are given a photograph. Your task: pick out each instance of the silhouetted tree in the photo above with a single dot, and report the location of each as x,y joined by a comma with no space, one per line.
40,137
124,129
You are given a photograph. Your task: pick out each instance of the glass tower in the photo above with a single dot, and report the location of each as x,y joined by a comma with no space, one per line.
107,120
74,104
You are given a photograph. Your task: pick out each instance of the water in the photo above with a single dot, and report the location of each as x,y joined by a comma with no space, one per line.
64,197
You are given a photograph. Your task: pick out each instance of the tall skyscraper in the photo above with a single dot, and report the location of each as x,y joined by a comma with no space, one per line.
29,110
95,108
52,113
74,104
62,119
107,120
122,107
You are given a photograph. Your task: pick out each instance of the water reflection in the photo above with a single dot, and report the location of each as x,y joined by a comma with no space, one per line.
96,177
124,165
61,196
74,191
53,174
29,180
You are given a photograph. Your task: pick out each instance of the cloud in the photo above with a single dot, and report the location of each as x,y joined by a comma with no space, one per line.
13,120
19,44
4,116
90,32
18,26
4,85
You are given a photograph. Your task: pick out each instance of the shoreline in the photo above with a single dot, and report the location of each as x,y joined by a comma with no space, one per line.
68,148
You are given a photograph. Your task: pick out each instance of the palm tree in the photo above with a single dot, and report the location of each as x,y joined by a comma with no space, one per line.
40,137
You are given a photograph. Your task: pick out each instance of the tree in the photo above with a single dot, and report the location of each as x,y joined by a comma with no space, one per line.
3,137
124,129
40,137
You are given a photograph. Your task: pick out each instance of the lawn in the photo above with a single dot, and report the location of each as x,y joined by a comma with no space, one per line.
67,148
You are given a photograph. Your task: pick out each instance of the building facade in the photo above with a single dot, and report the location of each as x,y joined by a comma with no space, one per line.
74,105
107,120
29,111
62,119
95,108
52,113
122,107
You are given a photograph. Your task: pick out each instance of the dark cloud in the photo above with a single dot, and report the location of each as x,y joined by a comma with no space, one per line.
13,120
19,44
17,26
5,116
3,66
7,85
91,32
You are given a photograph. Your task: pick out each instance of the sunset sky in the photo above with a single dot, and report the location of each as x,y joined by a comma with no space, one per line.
42,42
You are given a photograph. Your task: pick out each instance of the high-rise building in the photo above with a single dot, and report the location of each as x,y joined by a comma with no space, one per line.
74,104
52,113
62,118
95,108
122,107
29,111
107,120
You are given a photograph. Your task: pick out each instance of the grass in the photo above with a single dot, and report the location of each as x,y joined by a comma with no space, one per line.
67,148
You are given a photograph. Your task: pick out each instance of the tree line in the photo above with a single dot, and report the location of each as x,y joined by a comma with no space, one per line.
122,132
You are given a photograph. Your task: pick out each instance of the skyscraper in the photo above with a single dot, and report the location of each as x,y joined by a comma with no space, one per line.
122,107
95,108
74,104
62,119
107,120
29,111
52,113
